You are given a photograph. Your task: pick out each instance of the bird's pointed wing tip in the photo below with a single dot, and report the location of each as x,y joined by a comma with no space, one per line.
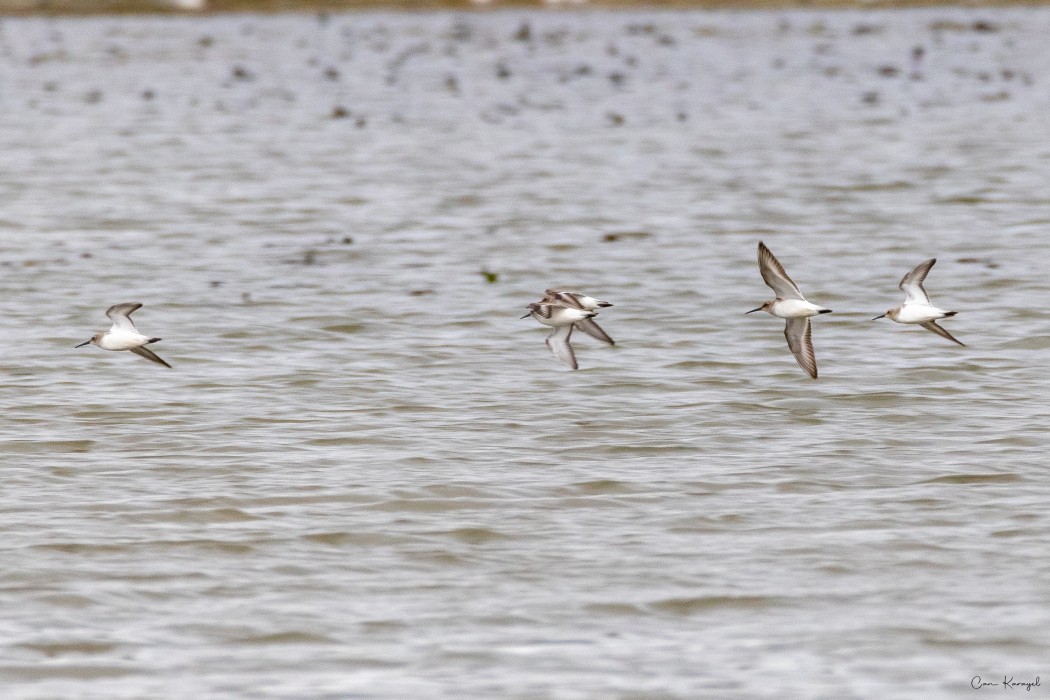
558,344
150,355
941,331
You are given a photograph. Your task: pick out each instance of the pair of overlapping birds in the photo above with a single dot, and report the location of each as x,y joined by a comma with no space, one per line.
566,311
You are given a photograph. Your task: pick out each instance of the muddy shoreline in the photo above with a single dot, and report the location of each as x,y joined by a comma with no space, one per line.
96,7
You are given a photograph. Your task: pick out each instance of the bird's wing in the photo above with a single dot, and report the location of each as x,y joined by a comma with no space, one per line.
149,355
553,296
543,310
799,334
592,329
774,275
911,285
932,326
120,314
558,342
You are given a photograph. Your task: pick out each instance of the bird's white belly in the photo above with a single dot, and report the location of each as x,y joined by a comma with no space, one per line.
563,316
918,313
122,340
795,308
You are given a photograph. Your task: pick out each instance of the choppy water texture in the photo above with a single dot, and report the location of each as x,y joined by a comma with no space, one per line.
366,477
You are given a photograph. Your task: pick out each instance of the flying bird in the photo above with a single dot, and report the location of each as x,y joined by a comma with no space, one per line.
580,301
789,304
123,335
917,308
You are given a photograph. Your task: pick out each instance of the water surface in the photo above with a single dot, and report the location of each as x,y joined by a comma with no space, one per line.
367,477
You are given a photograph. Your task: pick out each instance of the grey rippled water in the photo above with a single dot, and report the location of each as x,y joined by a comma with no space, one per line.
366,477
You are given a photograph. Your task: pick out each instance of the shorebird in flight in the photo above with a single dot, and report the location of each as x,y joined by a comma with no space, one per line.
123,335
917,308
580,301
789,304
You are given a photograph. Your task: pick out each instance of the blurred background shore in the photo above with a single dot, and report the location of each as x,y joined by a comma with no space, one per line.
88,7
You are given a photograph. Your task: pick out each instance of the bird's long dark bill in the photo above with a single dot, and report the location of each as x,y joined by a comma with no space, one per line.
525,316
878,317
752,311
86,342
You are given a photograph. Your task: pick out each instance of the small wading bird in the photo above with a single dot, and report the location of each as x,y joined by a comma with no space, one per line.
576,300
917,308
791,305
123,335
562,320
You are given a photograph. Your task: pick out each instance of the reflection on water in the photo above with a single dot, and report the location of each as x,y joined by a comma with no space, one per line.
367,477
